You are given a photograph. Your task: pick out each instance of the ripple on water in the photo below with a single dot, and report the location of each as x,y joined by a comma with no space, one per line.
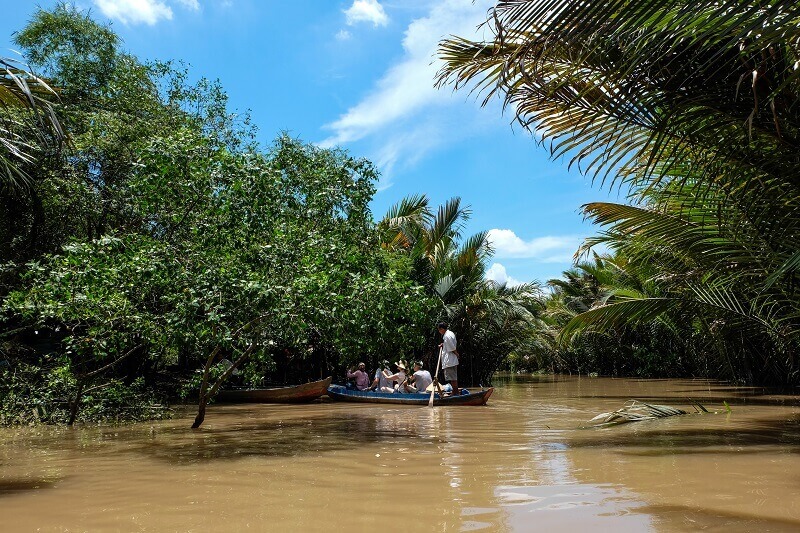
571,507
519,464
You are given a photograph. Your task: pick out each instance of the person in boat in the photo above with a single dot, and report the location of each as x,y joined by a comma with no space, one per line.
449,356
420,380
361,377
379,381
399,378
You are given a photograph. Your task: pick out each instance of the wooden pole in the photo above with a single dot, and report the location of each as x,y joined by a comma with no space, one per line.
435,378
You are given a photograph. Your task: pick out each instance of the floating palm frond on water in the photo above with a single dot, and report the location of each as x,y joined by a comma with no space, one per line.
636,411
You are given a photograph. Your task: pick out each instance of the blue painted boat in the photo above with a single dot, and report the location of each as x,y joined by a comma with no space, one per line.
343,394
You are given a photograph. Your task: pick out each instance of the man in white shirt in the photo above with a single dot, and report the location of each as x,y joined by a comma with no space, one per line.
421,379
380,381
449,357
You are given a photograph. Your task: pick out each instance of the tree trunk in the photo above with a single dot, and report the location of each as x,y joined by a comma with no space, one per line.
203,400
201,413
205,393
73,408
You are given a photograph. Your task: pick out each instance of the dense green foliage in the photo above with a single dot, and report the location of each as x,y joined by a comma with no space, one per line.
490,320
162,233
693,108
144,234
667,347
161,238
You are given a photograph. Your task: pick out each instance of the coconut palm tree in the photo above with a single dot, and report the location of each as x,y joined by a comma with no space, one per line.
708,262
432,240
27,121
693,108
491,320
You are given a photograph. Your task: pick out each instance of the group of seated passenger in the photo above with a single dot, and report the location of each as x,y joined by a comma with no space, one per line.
397,382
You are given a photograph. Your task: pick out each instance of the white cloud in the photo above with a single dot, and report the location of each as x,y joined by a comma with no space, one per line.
141,11
498,274
408,146
343,35
548,249
194,5
366,11
135,11
403,111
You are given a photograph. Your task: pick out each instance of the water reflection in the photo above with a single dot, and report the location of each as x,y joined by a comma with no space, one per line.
573,507
521,463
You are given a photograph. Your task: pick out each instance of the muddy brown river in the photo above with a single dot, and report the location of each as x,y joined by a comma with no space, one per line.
522,463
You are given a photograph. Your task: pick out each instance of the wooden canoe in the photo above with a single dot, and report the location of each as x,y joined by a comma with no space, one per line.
343,394
292,394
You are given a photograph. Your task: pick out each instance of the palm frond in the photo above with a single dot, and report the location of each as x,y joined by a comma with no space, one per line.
636,411
448,222
413,208
625,312
27,122
597,77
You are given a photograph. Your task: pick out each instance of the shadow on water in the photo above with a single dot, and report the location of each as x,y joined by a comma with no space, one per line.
696,519
704,398
9,487
701,389
313,436
662,438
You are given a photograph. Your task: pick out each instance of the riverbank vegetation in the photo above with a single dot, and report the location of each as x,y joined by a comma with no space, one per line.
145,234
492,320
156,237
692,108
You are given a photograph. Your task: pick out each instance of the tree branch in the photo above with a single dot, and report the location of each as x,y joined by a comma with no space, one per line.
114,362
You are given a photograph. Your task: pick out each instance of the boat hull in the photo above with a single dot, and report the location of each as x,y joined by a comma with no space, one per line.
342,394
294,394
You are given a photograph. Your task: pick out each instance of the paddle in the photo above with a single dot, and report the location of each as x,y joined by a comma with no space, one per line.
435,378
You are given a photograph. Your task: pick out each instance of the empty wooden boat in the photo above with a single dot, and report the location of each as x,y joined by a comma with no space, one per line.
292,394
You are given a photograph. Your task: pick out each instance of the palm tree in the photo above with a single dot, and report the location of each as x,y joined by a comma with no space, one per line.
692,106
492,320
622,84
655,348
27,121
708,262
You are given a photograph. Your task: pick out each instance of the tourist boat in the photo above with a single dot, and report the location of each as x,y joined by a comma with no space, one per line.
293,394
343,394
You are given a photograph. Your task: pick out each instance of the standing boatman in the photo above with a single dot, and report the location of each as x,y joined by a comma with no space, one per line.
449,356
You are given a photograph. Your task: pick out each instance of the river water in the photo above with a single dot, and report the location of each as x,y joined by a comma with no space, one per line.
524,462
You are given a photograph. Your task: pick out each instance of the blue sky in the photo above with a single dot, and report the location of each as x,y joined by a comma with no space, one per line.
359,74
